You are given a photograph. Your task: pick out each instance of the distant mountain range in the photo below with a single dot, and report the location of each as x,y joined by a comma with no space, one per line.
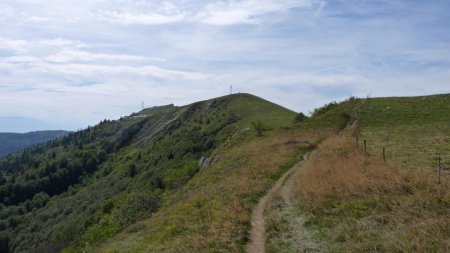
25,125
13,142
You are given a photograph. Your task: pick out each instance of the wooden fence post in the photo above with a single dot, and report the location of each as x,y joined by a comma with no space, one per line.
439,169
384,155
365,146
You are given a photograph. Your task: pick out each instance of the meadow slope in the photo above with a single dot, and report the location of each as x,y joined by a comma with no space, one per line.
352,201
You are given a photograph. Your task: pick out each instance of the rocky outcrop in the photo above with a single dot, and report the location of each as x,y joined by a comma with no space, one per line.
206,162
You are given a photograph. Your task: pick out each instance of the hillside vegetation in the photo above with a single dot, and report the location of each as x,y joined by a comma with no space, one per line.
185,179
82,189
350,201
413,130
13,142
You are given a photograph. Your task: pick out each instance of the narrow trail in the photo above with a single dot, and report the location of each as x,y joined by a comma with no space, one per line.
258,232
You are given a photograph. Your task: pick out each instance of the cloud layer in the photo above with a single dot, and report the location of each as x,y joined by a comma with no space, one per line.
77,62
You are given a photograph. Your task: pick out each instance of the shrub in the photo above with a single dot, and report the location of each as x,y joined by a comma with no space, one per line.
131,171
107,206
342,122
39,200
323,109
138,205
101,231
258,126
300,117
177,177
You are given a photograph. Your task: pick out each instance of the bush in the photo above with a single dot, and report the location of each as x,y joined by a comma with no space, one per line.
138,205
342,122
132,170
325,108
39,200
107,206
101,231
177,177
258,126
300,117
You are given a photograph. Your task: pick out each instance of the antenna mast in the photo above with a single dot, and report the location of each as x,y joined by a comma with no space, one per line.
231,89
142,105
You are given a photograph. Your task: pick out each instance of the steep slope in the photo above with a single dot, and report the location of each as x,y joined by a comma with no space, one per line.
84,188
212,212
13,142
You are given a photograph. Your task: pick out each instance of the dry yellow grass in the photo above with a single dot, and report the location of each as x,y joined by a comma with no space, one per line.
340,168
356,203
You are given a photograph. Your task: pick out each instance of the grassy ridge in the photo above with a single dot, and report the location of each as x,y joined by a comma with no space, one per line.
350,202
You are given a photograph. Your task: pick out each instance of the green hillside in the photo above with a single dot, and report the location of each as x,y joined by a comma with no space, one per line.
13,142
413,130
186,178
84,188
347,200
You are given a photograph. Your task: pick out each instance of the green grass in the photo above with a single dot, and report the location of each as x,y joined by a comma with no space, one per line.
395,111
413,130
404,212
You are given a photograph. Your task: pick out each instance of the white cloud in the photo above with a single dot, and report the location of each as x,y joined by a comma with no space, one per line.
128,18
72,55
230,12
245,12
22,46
15,45
90,70
95,71
60,43
6,12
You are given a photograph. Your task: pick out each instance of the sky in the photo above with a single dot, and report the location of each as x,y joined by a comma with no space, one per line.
73,63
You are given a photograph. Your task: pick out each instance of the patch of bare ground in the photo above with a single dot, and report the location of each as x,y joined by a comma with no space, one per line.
285,231
279,193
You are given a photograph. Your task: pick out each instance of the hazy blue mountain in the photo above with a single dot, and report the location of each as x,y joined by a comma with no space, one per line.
23,125
13,142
